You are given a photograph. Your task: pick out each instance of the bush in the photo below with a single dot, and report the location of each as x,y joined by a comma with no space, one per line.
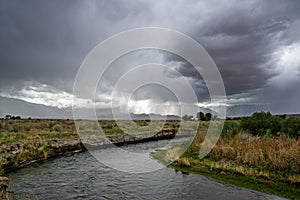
265,124
17,128
291,127
260,123
230,129
204,117
44,125
57,128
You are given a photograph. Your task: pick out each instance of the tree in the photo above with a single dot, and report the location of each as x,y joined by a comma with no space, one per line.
204,117
12,117
201,116
208,116
261,123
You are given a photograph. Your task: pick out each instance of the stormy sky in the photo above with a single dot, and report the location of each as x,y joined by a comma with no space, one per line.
255,45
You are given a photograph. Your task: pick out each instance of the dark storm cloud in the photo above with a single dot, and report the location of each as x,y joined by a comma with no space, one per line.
242,38
47,41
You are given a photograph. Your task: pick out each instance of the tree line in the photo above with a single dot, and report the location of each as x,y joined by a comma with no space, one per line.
200,116
12,117
264,123
260,123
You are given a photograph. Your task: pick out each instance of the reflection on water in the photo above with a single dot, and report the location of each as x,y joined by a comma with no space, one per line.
81,176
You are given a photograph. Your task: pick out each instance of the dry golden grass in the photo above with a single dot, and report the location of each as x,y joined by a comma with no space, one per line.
278,153
184,162
294,179
172,154
267,163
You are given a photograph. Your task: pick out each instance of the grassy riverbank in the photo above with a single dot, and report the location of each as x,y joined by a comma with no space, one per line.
268,163
24,130
23,141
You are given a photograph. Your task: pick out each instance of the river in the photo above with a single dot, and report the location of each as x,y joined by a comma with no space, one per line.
81,176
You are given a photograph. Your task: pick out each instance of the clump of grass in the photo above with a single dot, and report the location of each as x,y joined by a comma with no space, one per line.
184,162
294,179
57,127
1,167
172,154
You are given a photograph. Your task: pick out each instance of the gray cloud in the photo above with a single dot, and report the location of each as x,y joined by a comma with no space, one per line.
242,38
46,42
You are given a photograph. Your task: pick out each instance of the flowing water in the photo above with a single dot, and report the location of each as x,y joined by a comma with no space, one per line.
81,176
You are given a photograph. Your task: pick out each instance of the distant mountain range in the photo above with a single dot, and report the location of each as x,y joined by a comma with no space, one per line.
25,110
153,116
244,110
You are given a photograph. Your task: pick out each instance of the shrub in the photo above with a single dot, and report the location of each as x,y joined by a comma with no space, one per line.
291,127
230,129
184,162
17,127
44,125
204,117
261,122
57,128
265,124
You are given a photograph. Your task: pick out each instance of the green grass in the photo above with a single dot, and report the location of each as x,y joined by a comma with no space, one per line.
273,185
38,139
12,131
